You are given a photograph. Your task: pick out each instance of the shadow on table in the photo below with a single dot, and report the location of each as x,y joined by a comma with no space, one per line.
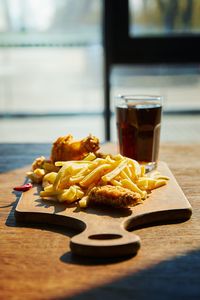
67,257
176,278
12,222
14,156
70,258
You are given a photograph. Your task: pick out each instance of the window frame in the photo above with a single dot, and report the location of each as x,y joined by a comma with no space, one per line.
125,49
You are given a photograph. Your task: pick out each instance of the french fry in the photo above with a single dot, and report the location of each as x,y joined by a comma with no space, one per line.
118,157
135,168
108,177
142,183
90,156
61,173
50,177
83,202
109,160
128,171
95,175
69,195
49,188
146,183
124,175
70,162
115,182
143,170
133,187
160,183
157,175
75,179
60,163
79,194
50,193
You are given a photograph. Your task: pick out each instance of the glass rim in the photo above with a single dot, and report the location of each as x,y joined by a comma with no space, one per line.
139,97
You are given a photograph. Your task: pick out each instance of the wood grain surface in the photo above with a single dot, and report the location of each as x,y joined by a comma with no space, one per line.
36,262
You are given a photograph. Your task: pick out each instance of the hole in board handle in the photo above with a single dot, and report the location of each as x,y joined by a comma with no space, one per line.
105,236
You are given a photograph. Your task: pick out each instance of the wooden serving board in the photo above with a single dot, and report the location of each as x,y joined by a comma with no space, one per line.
105,232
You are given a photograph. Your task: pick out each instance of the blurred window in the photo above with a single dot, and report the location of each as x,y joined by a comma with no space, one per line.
164,17
50,69
47,22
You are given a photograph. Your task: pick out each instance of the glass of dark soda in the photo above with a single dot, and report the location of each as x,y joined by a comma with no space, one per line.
138,126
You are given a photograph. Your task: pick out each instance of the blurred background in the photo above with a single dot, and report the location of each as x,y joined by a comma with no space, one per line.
52,69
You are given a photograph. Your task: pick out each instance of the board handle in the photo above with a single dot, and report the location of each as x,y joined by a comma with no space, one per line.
114,242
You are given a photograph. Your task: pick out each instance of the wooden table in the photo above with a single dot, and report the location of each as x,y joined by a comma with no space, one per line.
36,262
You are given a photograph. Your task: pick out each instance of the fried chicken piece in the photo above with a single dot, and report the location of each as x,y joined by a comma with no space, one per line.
66,148
114,196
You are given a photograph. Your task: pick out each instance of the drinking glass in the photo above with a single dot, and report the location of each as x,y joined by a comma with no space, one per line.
138,120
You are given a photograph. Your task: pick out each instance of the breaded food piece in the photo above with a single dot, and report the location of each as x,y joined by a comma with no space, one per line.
43,163
40,167
38,162
114,196
66,148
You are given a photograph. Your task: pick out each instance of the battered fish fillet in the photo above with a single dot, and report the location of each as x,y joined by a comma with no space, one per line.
114,196
66,148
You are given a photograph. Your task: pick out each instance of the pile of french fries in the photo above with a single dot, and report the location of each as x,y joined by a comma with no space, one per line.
75,179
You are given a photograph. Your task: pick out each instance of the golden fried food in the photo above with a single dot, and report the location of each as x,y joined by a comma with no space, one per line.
38,162
66,148
77,173
40,167
114,196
